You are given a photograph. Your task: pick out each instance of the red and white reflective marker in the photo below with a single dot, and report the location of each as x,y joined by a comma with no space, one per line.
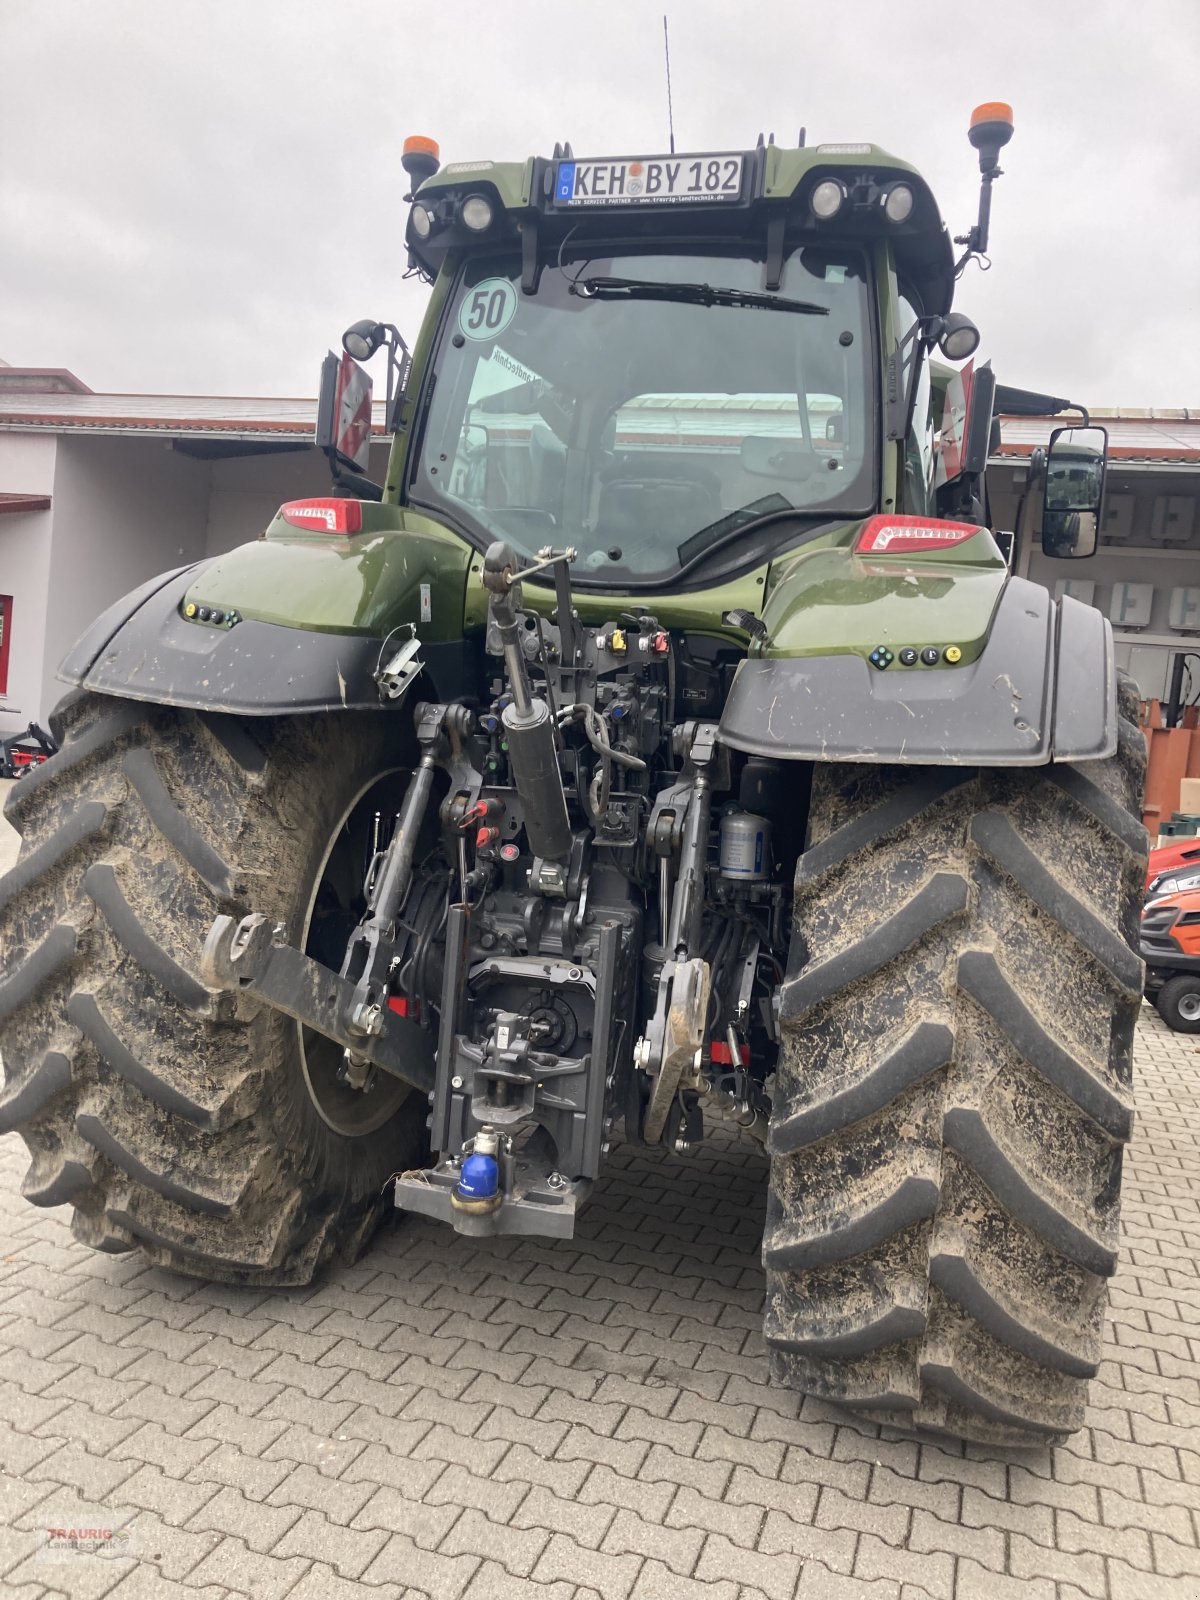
352,413
891,536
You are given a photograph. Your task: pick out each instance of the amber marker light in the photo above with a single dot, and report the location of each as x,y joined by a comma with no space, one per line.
418,145
991,128
420,158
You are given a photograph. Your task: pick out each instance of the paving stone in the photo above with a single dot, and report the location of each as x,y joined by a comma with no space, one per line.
261,1526
94,1477
522,1466
933,1572
517,1549
718,1444
348,1550
491,1582
975,1582
624,1456
781,1535
583,1522
232,1565
658,1582
455,1486
613,1575
1030,1560
329,1454
173,1500
146,1582
604,1487
404,1562
776,1574
322,1583
450,1448
393,1511
929,1534
375,1465
591,1414
678,1548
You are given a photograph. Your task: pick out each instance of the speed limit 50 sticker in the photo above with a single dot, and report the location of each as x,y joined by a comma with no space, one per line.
487,309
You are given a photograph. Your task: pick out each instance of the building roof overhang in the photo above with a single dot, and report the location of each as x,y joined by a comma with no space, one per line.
11,503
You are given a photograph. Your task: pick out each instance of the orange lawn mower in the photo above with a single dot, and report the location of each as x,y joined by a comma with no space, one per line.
1170,947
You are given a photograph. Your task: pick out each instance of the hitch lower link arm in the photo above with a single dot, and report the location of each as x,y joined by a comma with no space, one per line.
674,1035
251,956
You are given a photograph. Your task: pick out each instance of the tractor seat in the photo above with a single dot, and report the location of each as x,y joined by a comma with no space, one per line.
638,509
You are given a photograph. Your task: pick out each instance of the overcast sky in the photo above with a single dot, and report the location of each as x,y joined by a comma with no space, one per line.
197,196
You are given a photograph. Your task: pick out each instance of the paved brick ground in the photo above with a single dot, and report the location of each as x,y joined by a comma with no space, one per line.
560,1421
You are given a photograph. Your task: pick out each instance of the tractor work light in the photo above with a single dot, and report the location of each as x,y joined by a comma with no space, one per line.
899,203
827,199
897,535
362,339
327,515
422,221
477,213
959,337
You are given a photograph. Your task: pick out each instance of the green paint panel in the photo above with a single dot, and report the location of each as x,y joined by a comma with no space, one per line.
367,584
828,601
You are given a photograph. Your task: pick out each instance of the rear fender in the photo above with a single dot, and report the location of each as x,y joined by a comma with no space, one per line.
1036,684
304,619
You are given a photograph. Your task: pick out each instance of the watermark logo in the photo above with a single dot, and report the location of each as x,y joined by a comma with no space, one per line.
73,1532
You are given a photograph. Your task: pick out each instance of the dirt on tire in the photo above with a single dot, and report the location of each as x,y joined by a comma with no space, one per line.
170,1117
954,1093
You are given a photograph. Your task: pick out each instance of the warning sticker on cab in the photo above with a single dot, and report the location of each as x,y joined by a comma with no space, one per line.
649,180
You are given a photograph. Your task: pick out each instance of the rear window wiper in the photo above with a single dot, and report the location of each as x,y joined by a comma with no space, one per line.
736,525
694,294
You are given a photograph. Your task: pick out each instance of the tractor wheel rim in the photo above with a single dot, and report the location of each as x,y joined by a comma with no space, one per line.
1189,1006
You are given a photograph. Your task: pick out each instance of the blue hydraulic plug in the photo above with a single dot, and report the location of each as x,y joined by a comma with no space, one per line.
478,1186
480,1178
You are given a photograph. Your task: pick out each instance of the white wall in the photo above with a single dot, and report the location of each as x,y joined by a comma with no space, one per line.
26,467
124,510
247,491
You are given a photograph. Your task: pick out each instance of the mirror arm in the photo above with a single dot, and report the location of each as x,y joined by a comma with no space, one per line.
924,334
359,487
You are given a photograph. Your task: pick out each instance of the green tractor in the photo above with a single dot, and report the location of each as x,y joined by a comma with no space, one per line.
666,739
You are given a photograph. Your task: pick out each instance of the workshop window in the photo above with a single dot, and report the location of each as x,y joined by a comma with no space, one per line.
5,630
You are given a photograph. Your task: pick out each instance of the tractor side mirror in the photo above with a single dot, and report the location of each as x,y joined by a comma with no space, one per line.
1074,492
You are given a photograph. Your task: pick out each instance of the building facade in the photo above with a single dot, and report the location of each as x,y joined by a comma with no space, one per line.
98,493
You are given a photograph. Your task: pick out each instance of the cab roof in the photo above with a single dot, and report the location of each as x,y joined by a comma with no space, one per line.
773,205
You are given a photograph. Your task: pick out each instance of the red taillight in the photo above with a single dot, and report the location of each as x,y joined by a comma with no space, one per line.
324,516
894,536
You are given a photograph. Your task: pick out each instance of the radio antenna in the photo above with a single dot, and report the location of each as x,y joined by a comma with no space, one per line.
670,108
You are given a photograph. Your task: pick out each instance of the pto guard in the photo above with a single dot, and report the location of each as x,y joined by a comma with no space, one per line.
1043,689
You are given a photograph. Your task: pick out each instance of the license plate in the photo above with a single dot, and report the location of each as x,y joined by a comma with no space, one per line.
649,180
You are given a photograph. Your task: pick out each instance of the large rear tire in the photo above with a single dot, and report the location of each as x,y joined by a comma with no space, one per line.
954,1090
206,1129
